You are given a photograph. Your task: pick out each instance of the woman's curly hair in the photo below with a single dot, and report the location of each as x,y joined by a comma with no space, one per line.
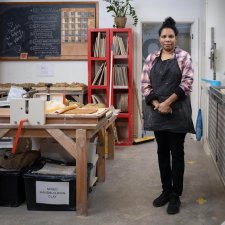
169,23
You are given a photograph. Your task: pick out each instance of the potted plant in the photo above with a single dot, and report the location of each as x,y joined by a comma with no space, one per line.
120,9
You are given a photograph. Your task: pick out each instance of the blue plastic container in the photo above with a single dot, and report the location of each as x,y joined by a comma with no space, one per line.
216,83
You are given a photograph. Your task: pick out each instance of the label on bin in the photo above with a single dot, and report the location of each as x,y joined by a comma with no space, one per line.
55,193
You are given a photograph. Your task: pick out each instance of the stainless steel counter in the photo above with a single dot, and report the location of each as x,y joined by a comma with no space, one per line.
216,127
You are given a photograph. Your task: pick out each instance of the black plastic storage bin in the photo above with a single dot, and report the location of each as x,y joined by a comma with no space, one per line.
12,191
53,196
50,192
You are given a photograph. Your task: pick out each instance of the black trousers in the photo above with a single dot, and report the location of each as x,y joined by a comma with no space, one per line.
171,160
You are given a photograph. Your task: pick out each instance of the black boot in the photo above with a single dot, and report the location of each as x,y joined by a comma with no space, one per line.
162,199
174,204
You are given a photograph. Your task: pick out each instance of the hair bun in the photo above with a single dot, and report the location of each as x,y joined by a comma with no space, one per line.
169,21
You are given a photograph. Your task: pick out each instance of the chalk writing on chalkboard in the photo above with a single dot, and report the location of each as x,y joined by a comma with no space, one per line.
44,33
14,36
34,29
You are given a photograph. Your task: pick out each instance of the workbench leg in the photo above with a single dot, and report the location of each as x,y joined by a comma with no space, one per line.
106,143
111,142
81,172
101,156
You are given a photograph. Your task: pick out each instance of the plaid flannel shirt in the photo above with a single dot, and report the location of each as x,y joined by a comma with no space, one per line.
185,64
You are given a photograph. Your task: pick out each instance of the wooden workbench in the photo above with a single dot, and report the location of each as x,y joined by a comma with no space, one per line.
64,129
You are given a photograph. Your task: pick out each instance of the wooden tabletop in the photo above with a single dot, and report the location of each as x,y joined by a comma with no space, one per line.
61,119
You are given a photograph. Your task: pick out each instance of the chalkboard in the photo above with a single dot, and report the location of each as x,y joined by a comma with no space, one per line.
46,30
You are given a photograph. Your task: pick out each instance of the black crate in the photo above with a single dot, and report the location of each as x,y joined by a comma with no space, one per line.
52,192
12,191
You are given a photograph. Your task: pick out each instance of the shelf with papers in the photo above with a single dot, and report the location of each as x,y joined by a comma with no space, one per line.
122,91
98,64
110,74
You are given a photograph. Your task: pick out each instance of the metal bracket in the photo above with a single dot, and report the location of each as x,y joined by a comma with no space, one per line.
32,109
213,54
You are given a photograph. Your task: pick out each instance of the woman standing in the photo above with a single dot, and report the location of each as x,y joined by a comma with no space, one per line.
166,82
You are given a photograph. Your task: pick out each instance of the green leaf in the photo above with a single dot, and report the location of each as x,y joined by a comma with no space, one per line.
122,8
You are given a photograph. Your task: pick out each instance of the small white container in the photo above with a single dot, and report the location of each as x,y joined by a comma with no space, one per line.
92,155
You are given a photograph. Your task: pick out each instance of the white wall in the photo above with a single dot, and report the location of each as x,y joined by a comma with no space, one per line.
70,71
215,17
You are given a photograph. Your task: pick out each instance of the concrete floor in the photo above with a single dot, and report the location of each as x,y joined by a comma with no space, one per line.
132,182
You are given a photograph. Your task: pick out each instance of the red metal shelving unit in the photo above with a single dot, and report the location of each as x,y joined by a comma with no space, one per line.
124,122
95,61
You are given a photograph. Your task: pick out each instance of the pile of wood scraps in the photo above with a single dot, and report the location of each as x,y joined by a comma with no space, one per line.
44,86
63,86
81,111
73,108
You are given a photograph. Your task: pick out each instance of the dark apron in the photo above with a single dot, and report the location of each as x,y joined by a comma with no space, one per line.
165,78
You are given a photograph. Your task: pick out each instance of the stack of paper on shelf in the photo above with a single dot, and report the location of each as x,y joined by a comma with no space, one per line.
100,75
120,75
99,46
118,46
97,98
122,101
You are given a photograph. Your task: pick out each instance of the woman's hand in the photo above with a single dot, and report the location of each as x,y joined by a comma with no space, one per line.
155,103
164,108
